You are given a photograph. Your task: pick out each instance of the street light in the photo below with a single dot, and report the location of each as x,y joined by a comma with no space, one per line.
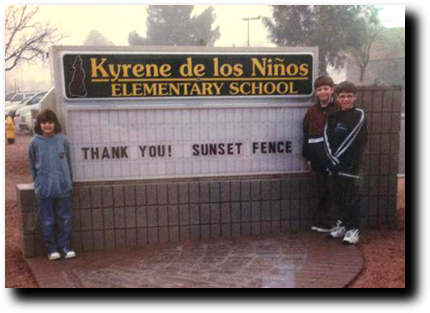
247,19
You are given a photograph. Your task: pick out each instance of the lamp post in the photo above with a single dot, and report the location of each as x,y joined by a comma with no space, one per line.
247,19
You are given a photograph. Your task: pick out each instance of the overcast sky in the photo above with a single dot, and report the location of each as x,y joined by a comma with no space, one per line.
116,21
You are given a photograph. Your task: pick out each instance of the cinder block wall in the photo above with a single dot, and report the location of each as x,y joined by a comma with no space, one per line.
382,106
133,214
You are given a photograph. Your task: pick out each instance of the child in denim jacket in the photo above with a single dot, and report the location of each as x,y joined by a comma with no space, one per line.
50,165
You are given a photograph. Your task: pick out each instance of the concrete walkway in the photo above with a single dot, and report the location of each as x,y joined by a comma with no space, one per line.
298,260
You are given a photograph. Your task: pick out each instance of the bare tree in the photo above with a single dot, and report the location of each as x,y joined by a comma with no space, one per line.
26,37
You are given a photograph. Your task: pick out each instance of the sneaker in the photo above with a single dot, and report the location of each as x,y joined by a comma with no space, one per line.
321,229
326,228
54,256
68,254
338,231
351,237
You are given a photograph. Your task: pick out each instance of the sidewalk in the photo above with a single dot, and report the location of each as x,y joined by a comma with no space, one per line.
293,260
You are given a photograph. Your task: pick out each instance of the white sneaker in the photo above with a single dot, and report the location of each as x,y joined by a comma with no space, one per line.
54,256
338,231
320,229
70,254
351,237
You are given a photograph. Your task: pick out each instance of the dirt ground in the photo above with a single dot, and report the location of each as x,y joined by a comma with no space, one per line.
384,252
18,274
383,249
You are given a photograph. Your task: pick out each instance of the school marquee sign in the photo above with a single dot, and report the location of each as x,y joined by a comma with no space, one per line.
150,75
144,113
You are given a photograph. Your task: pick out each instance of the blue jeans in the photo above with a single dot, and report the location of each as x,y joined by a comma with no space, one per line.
56,212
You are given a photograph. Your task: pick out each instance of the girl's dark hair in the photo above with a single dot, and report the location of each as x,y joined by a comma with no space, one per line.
324,80
47,116
346,87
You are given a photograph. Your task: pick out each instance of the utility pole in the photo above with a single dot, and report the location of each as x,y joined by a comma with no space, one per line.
247,19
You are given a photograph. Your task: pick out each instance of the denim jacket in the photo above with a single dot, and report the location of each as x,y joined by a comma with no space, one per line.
50,165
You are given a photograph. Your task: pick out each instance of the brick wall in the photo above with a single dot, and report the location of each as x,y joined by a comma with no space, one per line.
134,214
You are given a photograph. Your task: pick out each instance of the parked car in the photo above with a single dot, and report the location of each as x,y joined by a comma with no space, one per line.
17,97
23,117
9,96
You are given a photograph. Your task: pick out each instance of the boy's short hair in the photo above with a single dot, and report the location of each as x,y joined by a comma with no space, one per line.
346,87
324,80
47,116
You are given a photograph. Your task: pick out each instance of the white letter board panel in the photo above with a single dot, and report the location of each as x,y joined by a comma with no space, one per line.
120,144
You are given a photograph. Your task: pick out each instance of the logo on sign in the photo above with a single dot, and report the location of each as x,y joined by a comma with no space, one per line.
77,84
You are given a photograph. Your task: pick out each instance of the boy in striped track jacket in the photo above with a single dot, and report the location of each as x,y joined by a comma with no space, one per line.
345,135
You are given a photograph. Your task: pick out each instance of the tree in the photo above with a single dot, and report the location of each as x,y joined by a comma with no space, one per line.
329,27
26,37
95,38
173,25
367,31
135,40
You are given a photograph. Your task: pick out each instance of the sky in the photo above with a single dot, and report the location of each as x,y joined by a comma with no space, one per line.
392,15
116,21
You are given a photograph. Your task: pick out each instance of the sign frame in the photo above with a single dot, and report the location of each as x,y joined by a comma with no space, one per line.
64,105
61,51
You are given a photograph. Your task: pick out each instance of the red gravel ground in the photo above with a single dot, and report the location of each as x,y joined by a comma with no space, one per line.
383,249
384,252
18,274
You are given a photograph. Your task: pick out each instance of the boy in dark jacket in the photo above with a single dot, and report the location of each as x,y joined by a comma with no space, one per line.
345,135
314,150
